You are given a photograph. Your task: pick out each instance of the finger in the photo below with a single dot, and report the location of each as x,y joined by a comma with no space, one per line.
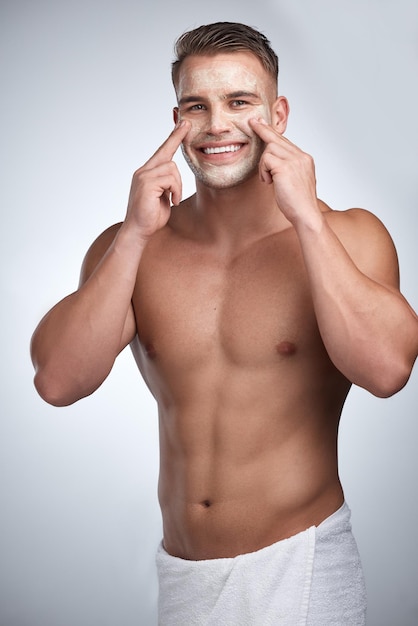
168,179
170,146
269,136
176,190
266,132
262,128
264,172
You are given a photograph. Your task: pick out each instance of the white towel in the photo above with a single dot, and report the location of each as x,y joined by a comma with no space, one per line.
338,592
312,579
263,588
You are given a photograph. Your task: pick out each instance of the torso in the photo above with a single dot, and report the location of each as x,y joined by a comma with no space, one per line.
249,402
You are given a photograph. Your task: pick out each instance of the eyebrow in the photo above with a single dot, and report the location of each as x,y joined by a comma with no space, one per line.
241,94
229,96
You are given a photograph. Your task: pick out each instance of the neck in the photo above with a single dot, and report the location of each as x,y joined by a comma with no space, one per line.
238,215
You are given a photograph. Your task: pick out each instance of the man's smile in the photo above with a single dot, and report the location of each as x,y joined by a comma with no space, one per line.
221,149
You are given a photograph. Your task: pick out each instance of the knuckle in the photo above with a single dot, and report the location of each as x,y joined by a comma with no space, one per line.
138,174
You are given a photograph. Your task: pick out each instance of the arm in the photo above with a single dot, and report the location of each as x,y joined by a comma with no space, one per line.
368,328
75,345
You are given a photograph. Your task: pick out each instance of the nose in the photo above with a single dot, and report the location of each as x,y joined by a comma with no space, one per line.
219,121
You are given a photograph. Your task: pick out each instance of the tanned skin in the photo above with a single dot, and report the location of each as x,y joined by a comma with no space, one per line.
250,308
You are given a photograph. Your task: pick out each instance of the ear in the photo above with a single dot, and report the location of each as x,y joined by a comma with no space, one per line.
279,114
175,114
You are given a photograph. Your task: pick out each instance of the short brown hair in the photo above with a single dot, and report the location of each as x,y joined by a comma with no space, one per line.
212,39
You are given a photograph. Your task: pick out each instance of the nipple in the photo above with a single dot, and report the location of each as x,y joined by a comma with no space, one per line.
286,348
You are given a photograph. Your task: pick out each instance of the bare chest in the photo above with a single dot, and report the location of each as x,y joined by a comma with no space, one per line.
192,307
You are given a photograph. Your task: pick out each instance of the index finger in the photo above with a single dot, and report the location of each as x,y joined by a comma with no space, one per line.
263,129
170,146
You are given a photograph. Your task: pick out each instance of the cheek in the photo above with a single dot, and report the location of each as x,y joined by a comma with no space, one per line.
265,112
196,127
258,111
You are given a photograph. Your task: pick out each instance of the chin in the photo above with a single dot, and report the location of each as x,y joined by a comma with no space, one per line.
221,181
223,177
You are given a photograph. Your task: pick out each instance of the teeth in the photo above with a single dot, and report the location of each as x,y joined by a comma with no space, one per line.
221,149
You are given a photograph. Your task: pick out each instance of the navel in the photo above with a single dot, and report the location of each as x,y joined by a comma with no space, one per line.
150,351
286,348
206,504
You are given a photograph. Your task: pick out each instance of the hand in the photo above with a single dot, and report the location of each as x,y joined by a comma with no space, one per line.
153,184
291,171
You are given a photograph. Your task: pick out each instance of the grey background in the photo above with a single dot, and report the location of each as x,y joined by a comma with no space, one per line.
86,98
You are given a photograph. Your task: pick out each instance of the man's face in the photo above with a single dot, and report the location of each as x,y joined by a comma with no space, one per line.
218,95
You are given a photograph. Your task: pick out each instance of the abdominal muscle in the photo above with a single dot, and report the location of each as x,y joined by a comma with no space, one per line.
241,468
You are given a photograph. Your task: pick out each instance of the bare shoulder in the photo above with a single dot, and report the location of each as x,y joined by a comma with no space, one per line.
368,242
97,250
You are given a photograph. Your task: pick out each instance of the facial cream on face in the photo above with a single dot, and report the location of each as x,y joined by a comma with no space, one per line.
219,95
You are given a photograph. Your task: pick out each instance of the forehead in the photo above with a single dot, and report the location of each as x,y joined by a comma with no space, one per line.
224,72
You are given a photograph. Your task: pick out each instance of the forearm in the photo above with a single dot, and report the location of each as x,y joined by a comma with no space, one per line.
368,329
76,343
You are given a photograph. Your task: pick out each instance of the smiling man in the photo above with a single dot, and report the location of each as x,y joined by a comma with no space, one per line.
250,307
212,86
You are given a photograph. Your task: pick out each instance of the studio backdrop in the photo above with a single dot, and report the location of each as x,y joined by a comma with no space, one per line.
86,99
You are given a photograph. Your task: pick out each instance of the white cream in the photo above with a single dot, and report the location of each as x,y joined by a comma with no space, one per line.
212,80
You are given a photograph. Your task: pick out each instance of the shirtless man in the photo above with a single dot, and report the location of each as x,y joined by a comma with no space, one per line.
250,307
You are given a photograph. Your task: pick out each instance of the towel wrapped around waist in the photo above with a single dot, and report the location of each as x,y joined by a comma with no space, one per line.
311,579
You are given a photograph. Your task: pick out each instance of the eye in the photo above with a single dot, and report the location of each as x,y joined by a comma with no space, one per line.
239,103
197,107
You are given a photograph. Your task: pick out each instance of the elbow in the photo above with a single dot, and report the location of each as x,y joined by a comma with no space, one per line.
396,367
390,380
59,388
51,391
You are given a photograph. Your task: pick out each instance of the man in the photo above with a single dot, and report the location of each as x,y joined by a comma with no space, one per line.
250,307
